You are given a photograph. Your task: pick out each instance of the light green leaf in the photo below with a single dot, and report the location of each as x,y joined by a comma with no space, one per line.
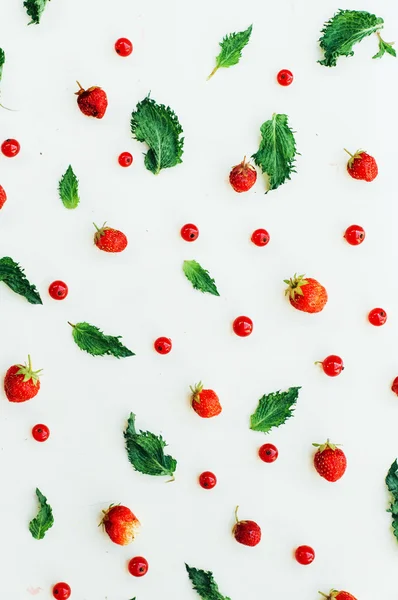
231,49
35,9
13,276
199,277
274,409
2,61
203,583
90,339
385,47
69,189
44,519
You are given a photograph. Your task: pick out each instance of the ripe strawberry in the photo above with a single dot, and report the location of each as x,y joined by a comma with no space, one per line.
243,176
109,240
120,524
362,166
247,533
92,102
21,383
3,196
335,595
306,294
205,402
330,461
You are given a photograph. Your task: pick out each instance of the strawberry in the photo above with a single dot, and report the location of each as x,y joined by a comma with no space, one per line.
247,533
205,402
109,240
330,461
306,294
362,166
120,524
21,383
243,176
3,196
92,102
335,595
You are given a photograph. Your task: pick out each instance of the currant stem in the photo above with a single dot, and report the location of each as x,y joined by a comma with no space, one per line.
212,73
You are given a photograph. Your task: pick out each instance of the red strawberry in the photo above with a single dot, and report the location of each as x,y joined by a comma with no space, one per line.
243,176
205,402
120,524
247,533
335,595
330,461
92,102
21,383
3,196
306,294
362,166
109,240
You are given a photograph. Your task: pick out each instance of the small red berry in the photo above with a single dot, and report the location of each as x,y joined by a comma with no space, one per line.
61,591
207,480
243,326
189,232
332,365
40,433
125,159
10,148
138,566
285,77
3,196
268,453
394,386
260,237
123,47
243,176
58,290
163,345
354,235
304,555
377,317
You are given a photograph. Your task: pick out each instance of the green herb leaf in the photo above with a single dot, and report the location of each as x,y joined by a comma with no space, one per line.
203,582
384,47
35,9
145,451
90,339
2,61
44,519
231,49
69,189
392,485
274,409
277,152
158,126
13,276
199,277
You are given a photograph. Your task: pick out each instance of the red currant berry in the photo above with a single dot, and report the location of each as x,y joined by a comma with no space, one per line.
354,235
207,480
394,386
285,77
243,326
10,148
304,555
189,232
3,196
61,591
125,159
268,453
377,317
332,365
260,237
138,566
163,345
58,290
123,47
40,433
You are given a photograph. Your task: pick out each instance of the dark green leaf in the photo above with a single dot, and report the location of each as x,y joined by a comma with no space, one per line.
35,9
13,276
2,61
199,277
392,485
44,519
69,189
90,339
203,582
231,49
274,409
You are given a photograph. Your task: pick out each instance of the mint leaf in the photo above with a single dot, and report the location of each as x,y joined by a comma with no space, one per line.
69,189
90,339
384,47
145,451
199,277
231,49
13,276
392,485
35,9
274,409
2,61
44,519
203,582
158,126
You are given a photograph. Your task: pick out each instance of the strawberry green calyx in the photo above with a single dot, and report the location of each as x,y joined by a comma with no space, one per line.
295,284
358,154
100,232
331,596
327,444
196,390
81,89
28,373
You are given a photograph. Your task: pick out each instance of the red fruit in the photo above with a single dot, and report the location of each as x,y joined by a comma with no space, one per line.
21,383
207,480
247,533
92,102
332,365
40,433
242,326
377,317
394,386
123,47
109,240
285,77
304,555
120,524
205,402
335,595
138,566
260,237
243,176
3,196
189,232
163,345
362,166
61,591
10,148
354,235
330,461
306,294
125,159
58,290
268,453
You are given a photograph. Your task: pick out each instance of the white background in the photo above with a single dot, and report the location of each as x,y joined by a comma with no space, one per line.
142,294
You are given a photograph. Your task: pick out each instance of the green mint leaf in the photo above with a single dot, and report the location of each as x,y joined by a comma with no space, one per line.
385,47
145,451
274,409
13,276
277,152
44,519
69,189
158,126
91,339
231,49
2,61
203,582
392,485
199,277
35,9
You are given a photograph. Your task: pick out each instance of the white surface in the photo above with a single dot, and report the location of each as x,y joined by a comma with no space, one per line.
142,294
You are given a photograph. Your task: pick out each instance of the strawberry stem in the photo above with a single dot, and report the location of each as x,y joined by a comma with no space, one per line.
80,86
352,156
236,514
324,595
